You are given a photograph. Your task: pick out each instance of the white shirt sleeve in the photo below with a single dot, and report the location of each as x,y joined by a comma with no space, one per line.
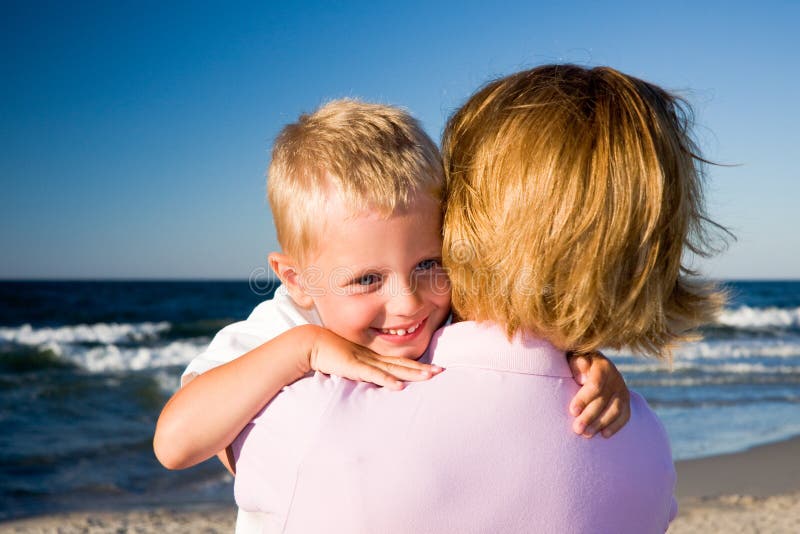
267,321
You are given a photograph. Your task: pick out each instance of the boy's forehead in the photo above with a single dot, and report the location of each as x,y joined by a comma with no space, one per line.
342,225
342,207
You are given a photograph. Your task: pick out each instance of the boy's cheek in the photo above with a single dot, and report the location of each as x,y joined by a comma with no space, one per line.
349,316
438,291
439,286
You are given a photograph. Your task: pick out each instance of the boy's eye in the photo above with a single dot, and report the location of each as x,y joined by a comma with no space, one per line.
367,280
427,265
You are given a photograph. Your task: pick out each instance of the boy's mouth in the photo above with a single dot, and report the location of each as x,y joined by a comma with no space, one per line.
400,332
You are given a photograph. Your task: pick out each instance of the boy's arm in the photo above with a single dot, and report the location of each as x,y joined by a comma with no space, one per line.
603,403
205,416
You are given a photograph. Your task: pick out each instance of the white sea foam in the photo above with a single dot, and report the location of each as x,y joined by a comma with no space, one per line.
732,357
738,349
114,358
109,352
83,333
747,317
716,368
167,381
734,349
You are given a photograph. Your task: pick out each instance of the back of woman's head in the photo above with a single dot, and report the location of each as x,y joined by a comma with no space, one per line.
572,195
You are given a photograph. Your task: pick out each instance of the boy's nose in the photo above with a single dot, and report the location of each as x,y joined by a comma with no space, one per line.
405,301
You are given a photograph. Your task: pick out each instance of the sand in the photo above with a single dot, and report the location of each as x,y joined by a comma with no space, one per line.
134,521
756,491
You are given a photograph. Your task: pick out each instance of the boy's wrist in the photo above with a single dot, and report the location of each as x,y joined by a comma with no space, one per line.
308,335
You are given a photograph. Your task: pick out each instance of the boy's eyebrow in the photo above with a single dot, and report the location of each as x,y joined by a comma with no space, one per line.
357,272
347,274
431,255
354,272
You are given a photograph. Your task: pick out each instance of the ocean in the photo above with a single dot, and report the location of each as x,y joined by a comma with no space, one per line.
85,368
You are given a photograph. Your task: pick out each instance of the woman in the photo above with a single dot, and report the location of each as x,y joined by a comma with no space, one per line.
572,195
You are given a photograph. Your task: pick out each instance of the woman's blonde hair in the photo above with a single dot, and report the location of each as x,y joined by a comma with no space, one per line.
375,156
571,194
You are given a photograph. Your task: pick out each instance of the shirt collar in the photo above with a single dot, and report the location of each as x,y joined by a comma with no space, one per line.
471,344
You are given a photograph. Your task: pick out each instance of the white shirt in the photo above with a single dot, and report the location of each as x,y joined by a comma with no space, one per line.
267,321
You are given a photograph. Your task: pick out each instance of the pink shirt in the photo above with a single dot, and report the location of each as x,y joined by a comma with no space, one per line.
486,446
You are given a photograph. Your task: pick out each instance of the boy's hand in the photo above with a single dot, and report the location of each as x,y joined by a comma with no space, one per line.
603,403
332,354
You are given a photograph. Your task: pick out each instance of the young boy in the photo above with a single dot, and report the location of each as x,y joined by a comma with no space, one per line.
355,191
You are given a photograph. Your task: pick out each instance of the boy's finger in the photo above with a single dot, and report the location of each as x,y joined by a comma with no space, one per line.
579,365
596,375
608,415
612,418
588,416
576,406
407,362
409,368
404,372
620,420
588,393
380,377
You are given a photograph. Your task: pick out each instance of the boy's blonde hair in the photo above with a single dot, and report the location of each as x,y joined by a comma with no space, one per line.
376,157
570,196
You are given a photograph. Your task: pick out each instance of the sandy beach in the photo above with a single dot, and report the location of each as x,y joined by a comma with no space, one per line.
755,491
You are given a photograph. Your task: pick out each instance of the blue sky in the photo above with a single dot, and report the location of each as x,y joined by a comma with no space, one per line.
134,136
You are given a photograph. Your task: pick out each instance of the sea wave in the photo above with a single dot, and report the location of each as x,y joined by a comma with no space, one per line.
757,318
695,380
106,347
99,359
84,333
112,357
738,349
711,368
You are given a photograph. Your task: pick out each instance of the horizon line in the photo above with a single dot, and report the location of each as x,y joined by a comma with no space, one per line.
275,279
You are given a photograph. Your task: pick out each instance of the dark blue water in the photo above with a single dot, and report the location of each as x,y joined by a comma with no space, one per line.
738,387
85,368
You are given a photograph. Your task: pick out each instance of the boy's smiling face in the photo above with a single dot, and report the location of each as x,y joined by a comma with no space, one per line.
378,281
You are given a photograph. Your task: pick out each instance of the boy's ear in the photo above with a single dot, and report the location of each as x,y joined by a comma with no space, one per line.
288,271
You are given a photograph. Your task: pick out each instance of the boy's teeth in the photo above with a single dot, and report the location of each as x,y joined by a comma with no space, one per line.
400,331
